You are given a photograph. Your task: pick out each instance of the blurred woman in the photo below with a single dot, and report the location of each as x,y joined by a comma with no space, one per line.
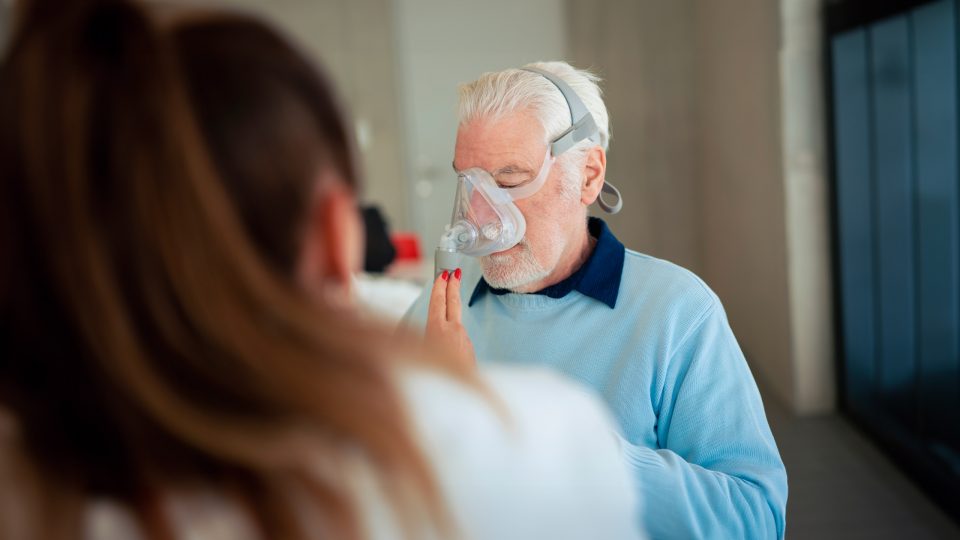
167,196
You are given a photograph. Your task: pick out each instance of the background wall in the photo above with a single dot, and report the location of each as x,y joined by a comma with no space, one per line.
739,165
355,40
645,51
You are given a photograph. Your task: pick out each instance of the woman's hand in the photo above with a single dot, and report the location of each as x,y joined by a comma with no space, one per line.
444,324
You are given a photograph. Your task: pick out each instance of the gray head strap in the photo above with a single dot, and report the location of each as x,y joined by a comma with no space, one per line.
582,126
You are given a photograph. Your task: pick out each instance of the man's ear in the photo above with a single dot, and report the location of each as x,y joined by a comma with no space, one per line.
332,248
594,172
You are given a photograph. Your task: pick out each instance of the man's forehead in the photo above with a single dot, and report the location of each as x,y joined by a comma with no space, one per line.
512,141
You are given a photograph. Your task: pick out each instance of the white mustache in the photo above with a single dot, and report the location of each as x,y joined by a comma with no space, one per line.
500,259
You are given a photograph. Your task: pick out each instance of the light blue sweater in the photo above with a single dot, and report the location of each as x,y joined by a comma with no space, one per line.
666,362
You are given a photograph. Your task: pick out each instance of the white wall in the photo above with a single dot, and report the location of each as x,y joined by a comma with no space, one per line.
807,205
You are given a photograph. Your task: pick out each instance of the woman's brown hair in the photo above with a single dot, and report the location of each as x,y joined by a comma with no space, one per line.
152,337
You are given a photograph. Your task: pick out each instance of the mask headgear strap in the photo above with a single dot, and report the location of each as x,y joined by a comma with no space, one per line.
582,126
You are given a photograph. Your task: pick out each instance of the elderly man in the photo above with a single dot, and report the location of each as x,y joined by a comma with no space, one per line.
648,336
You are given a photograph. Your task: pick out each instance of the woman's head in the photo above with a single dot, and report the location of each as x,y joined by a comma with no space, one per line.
276,136
154,188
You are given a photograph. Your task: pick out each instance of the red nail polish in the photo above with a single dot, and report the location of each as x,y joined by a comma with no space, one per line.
457,273
445,275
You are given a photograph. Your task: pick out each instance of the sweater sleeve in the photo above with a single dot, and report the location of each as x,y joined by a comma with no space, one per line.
717,472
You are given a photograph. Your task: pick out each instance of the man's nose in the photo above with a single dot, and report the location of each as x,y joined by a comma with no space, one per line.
482,211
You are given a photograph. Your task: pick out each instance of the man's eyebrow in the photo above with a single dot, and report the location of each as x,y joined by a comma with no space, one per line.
512,168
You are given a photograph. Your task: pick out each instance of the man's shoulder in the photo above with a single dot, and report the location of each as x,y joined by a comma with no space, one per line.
664,286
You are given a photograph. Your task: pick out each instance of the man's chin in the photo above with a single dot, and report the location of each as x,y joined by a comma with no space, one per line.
507,276
514,269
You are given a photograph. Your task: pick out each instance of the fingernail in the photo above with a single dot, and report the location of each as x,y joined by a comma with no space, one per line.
445,275
456,273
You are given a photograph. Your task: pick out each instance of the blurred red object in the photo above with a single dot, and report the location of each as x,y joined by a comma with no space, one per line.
407,246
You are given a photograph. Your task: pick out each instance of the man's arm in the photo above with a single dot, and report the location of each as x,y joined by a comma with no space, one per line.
718,473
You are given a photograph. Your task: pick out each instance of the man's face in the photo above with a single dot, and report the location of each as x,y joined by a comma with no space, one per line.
512,149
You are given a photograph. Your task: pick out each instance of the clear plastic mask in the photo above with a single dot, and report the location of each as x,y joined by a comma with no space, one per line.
485,219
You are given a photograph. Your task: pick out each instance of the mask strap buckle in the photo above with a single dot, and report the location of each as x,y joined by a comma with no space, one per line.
604,205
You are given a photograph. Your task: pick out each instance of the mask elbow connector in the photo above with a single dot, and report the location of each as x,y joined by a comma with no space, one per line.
457,237
461,236
445,259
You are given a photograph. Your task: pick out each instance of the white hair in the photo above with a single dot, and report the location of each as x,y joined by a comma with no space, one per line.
497,94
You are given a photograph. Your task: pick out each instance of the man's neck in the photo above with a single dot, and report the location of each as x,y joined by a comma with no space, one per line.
576,254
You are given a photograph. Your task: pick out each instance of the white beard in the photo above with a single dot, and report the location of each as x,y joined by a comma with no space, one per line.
513,271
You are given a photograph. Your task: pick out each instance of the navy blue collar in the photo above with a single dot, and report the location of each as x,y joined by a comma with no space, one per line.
598,278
